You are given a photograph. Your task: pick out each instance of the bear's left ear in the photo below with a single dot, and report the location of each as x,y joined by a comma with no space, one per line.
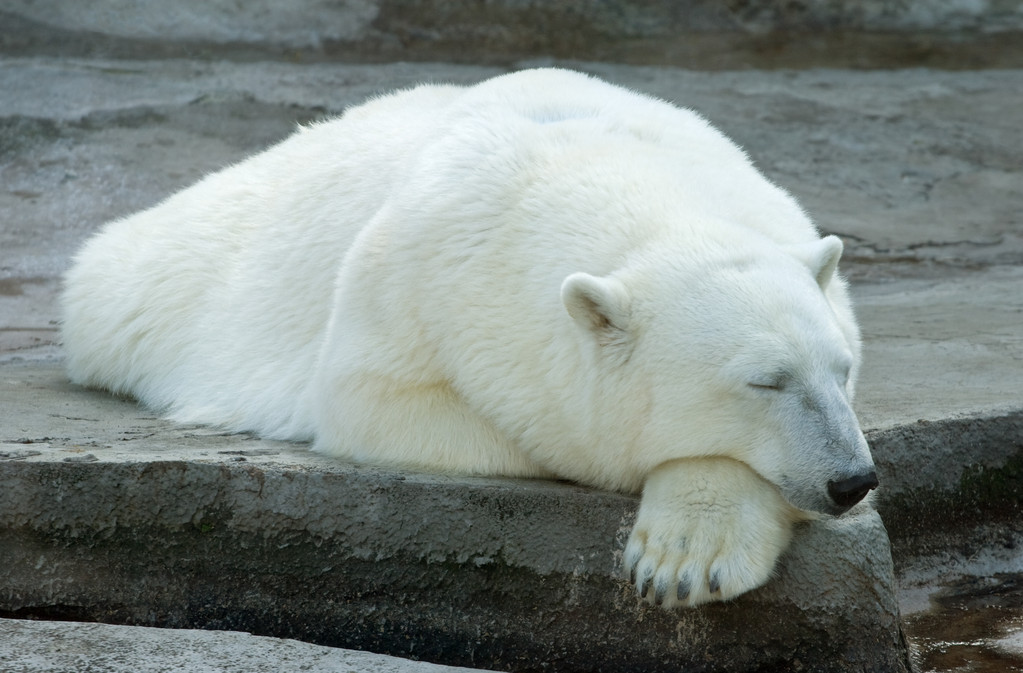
598,304
820,256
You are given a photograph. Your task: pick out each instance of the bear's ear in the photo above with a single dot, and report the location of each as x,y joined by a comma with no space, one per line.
821,257
598,304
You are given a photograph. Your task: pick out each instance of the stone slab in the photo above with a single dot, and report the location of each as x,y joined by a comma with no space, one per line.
28,646
110,514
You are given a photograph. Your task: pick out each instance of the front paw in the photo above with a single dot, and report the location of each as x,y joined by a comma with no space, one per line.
708,529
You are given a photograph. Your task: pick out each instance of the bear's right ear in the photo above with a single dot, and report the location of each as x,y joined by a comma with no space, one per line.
821,256
599,304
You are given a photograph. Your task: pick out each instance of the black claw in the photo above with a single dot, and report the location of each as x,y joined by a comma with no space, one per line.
683,590
632,575
715,583
646,587
659,595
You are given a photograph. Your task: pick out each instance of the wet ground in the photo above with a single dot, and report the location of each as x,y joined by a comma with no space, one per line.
974,625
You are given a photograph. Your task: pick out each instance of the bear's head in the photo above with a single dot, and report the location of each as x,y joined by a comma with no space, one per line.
747,350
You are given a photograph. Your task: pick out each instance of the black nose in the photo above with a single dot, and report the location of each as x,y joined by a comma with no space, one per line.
848,492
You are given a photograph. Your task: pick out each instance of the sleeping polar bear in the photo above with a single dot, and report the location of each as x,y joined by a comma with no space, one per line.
540,275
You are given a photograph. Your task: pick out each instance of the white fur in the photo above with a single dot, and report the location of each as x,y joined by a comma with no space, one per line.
725,528
539,275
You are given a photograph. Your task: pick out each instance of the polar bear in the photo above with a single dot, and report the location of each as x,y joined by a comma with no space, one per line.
542,275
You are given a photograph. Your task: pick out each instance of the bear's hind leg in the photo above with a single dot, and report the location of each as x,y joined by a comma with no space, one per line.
708,529
376,420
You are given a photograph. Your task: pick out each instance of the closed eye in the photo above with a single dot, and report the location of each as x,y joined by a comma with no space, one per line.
771,386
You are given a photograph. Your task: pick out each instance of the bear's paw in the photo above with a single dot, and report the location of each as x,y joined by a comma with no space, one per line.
708,529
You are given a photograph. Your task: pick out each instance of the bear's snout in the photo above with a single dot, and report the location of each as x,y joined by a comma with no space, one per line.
848,492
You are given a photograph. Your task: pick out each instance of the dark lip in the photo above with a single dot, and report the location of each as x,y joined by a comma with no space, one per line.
824,505
827,510
837,510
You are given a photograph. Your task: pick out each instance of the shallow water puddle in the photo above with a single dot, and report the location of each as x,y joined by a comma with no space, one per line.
973,625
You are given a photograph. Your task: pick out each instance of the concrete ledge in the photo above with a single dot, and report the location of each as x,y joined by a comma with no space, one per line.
115,516
955,471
